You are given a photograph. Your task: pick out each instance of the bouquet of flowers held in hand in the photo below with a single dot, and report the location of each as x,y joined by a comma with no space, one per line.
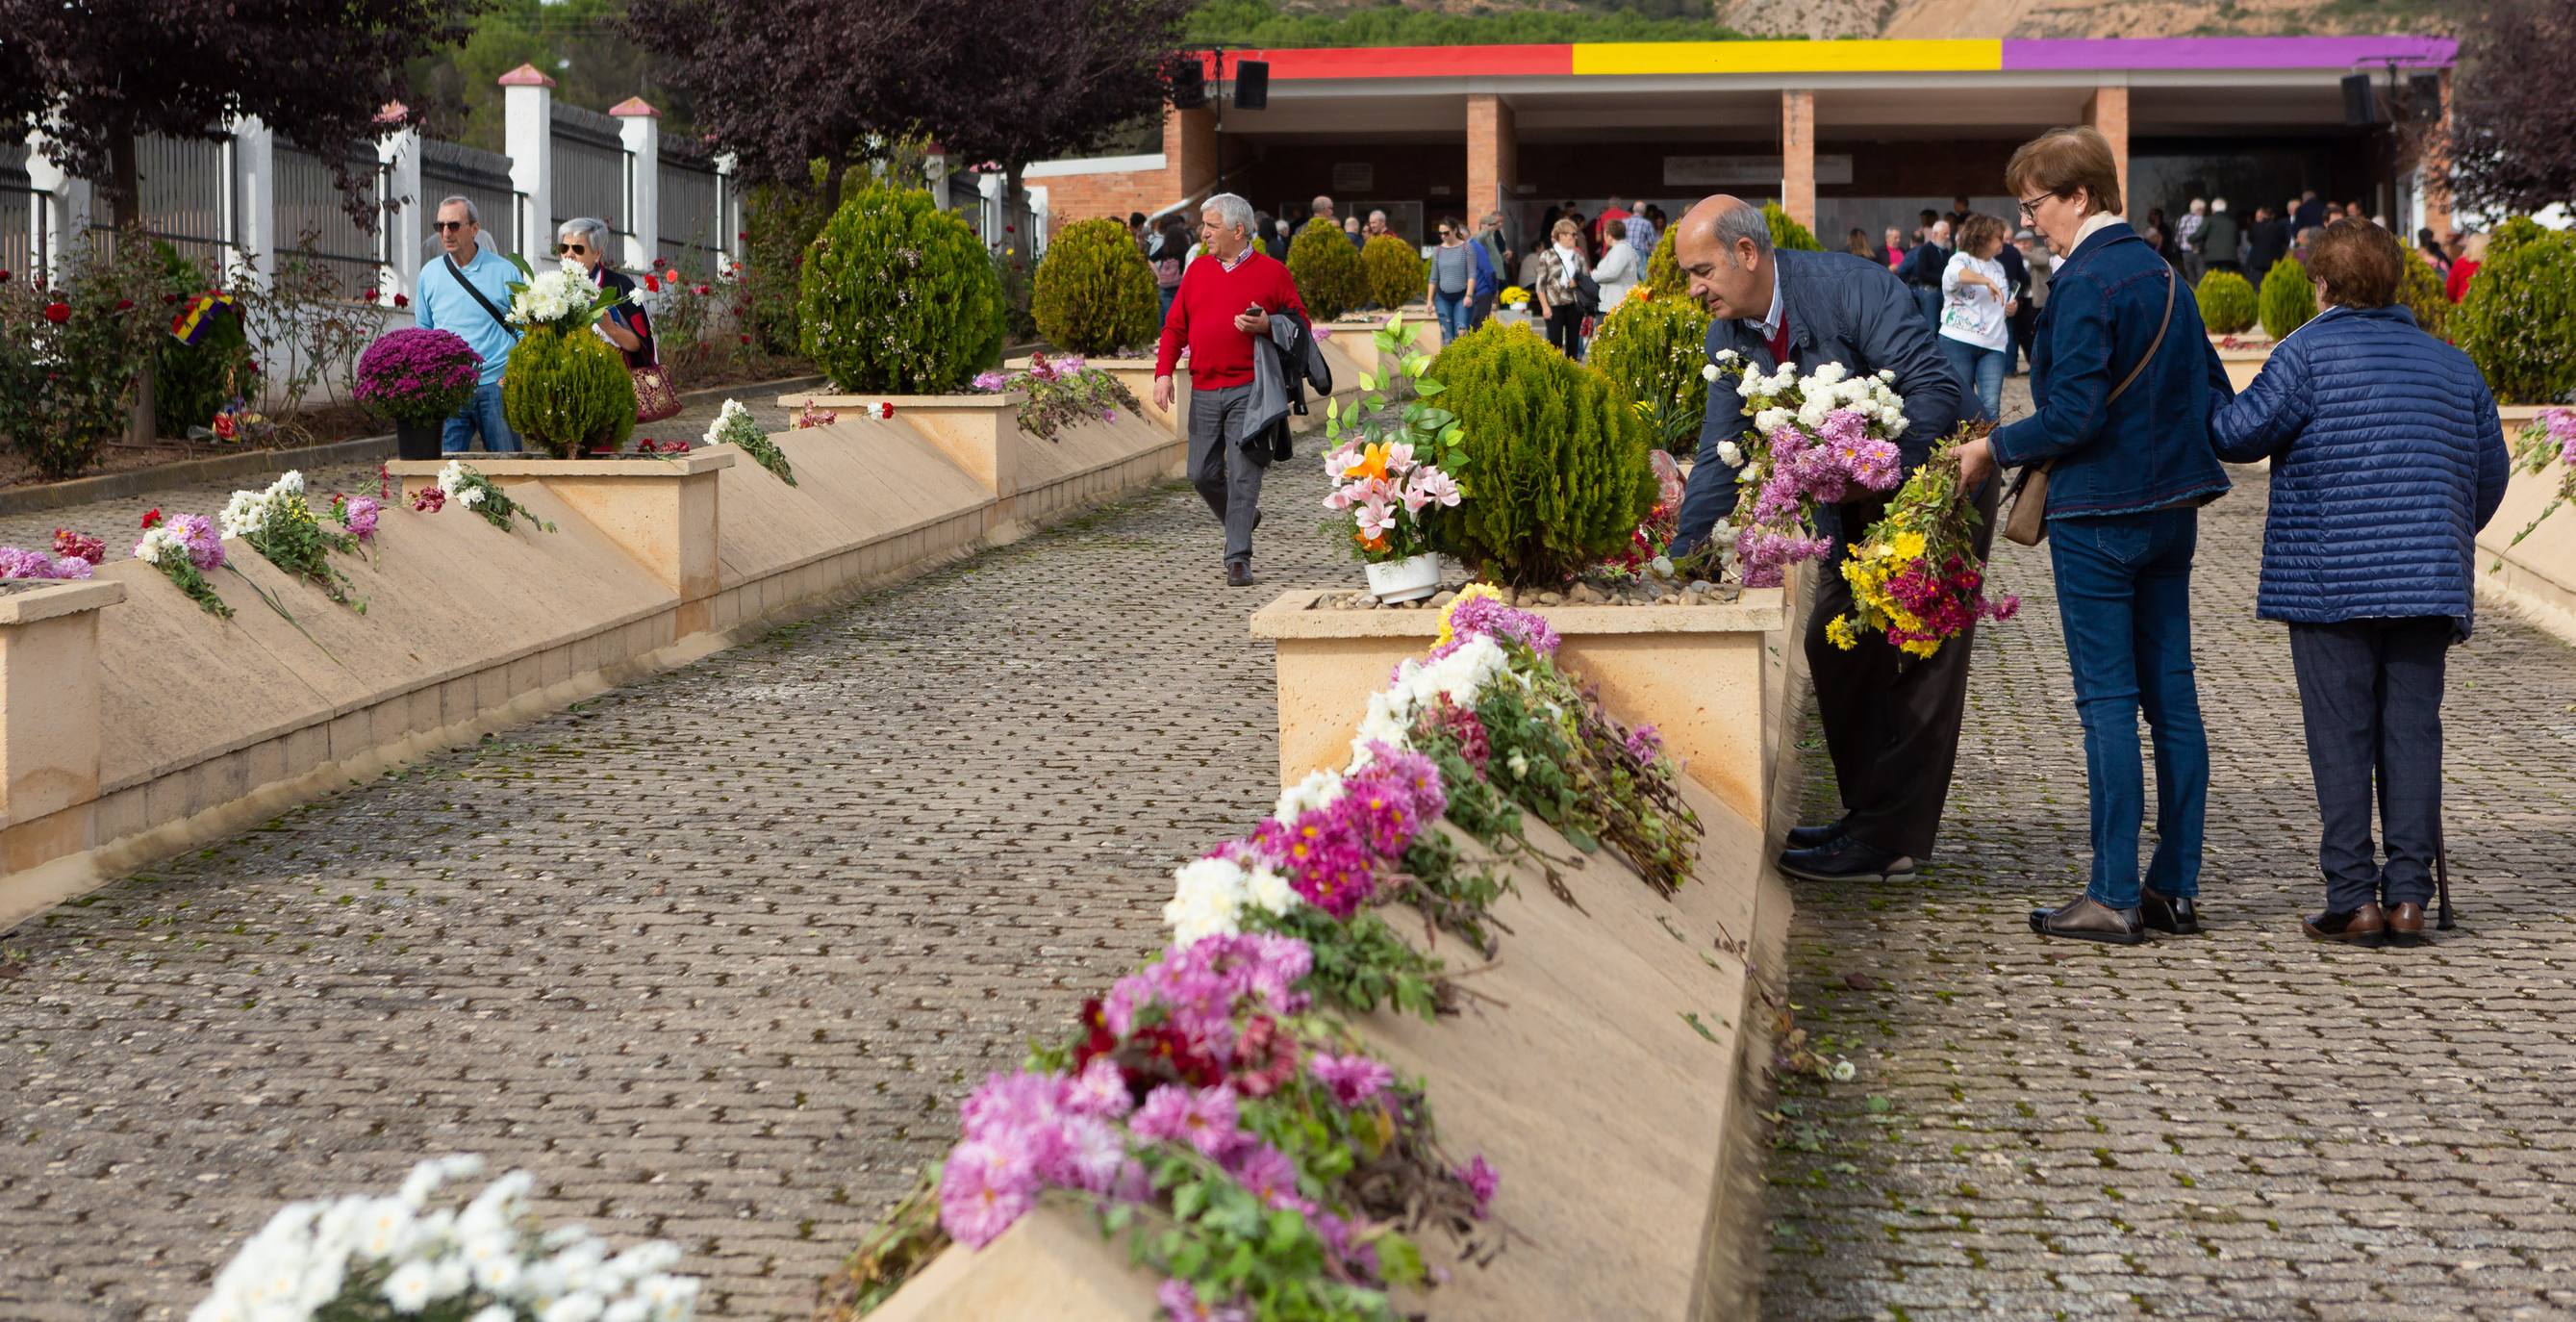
1061,392
561,299
279,524
396,1257
183,548
1915,576
478,493
1820,439
736,427
1391,480
2547,439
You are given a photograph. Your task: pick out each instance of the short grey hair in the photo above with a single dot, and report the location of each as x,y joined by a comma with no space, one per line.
1743,222
473,214
1231,211
593,230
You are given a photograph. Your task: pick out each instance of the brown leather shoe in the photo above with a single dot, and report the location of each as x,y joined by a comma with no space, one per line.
1238,574
2090,920
2365,926
2406,924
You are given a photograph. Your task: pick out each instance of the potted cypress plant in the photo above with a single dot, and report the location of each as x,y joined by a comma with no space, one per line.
417,380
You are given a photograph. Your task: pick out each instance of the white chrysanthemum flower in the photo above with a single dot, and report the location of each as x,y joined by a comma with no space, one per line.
1267,889
494,1313
579,1306
1709,373
452,476
293,480
408,1288
1770,420
1319,789
1519,765
1831,373
1207,897
470,497
1730,454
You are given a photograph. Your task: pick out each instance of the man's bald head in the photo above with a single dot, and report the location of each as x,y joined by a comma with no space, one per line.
1723,244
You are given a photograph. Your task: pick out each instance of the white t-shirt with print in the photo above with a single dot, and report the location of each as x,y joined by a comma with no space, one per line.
1972,313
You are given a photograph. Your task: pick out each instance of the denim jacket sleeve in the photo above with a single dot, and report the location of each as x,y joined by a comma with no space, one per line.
2081,331
2270,414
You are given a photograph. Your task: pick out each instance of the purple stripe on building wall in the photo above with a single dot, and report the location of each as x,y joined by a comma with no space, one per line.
2227,52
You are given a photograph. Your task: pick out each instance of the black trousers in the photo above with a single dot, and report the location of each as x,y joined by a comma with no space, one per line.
1891,721
2025,328
2370,694
1565,330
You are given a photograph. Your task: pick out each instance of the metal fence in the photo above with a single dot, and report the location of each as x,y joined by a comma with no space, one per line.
591,173
448,170
186,188
692,202
23,215
313,221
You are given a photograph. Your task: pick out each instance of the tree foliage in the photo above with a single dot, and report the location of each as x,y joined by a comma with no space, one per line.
2226,302
96,74
2513,124
899,296
1327,270
1094,293
2520,314
2289,298
1556,458
583,45
1265,24
1394,271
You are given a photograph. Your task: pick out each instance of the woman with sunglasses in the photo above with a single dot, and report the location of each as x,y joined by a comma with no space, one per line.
585,242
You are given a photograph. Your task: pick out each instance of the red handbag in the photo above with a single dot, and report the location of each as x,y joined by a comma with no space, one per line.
655,400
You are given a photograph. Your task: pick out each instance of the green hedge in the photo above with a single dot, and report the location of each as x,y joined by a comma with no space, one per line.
1095,294
1327,270
1664,269
568,391
1788,233
2422,292
1394,269
2519,318
899,296
1652,350
2289,298
1557,476
2226,302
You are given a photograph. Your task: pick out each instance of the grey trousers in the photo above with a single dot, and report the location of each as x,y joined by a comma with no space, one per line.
1222,469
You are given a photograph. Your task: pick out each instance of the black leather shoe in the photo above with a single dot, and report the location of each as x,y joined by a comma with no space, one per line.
1846,858
2088,919
2178,915
1808,837
1238,574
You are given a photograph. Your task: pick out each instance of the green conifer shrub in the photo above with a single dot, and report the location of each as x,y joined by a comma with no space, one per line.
1788,233
1664,270
1327,269
2422,293
2289,298
2226,302
567,392
1652,350
898,296
2520,315
1395,271
1556,473
1095,294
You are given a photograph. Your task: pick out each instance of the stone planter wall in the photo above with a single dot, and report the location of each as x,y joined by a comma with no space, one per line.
2243,364
201,725
2538,577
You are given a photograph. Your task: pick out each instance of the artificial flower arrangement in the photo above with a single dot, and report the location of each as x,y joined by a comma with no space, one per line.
562,299
1915,575
1820,439
395,1256
184,547
1515,298
736,427
810,416
470,488
1061,392
280,525
2547,439
234,422
1391,480
417,376
80,546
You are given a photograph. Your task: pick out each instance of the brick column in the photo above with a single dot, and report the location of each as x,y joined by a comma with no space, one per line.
2109,112
2435,168
1798,156
1189,151
1493,156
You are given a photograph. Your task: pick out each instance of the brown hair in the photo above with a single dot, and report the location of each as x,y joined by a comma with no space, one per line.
2065,159
1450,223
1976,229
2359,262
1616,229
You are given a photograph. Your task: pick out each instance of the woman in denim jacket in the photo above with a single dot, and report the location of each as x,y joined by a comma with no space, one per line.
2127,479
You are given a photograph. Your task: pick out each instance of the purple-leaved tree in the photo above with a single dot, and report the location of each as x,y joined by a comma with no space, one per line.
2513,123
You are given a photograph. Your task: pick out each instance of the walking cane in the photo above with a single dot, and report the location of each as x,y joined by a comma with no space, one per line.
2441,879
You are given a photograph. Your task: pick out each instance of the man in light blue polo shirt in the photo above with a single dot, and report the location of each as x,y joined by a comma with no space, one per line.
446,304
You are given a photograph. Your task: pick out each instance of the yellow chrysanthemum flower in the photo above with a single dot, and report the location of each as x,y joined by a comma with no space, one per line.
1909,546
1839,631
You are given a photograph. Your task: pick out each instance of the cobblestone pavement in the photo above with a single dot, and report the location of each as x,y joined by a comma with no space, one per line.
119,521
714,955
2242,1125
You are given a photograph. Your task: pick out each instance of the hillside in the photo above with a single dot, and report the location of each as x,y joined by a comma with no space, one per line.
1450,22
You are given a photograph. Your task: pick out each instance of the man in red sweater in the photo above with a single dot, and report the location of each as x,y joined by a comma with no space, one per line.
1222,310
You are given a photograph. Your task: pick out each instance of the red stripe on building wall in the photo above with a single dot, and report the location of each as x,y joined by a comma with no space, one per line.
1406,62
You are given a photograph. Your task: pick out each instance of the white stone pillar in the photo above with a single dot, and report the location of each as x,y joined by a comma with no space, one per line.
528,134
728,212
66,209
253,235
640,125
399,153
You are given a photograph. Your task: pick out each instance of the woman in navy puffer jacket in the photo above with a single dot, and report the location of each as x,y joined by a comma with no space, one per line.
2387,459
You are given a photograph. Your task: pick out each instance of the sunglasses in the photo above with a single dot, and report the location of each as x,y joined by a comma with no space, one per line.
451,226
575,249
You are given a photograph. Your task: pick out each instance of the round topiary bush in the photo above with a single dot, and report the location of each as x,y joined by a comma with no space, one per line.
1327,270
1394,270
898,296
1788,233
567,391
1094,293
2289,298
2422,293
1556,458
2520,315
1652,350
2226,302
1664,270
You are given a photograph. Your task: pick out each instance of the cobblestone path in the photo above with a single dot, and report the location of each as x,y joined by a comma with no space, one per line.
713,955
2241,1125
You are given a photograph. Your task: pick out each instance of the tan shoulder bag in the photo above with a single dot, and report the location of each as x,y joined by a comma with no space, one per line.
2028,522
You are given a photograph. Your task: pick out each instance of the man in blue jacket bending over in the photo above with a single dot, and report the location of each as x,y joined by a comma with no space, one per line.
1892,728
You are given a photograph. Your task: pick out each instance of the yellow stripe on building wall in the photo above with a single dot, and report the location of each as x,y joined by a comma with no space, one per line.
1667,57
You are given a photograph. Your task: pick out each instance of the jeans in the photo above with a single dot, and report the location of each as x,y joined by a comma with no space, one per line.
2370,694
1452,310
1171,294
2124,594
1981,378
481,413
1927,300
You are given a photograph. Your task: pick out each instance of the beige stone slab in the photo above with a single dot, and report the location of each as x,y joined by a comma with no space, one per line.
2539,575
44,601
858,482
1088,447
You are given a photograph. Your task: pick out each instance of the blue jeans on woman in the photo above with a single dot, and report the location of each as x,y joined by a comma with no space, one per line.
1981,378
481,413
1452,310
2124,594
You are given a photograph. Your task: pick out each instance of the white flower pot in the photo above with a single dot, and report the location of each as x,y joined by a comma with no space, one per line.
1404,580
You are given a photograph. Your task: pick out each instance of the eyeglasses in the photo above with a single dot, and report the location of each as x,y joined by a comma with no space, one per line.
451,226
575,249
2030,206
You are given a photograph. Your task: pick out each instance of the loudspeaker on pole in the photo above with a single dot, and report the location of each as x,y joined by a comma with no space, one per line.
2360,105
1252,85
